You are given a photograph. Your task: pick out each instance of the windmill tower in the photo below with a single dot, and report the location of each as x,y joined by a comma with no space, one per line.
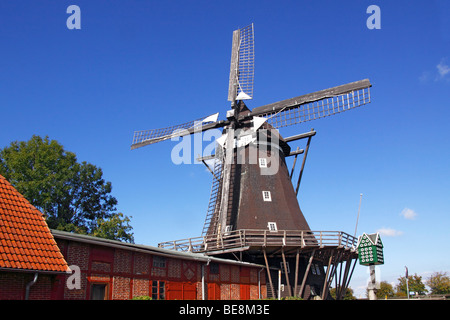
253,213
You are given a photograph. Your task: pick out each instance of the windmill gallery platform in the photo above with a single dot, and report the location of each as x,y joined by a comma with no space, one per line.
303,257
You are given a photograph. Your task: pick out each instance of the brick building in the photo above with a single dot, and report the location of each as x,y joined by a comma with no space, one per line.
120,271
42,264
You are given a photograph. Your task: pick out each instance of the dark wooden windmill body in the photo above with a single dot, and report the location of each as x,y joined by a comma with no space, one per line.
253,213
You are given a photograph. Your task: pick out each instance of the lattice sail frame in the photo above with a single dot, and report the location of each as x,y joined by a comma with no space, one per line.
242,67
146,137
318,109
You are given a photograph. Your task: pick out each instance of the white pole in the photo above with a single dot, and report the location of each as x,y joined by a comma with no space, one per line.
203,282
359,209
373,283
279,284
407,288
407,285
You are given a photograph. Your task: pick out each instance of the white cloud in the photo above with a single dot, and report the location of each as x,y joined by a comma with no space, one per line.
408,214
425,76
388,232
441,73
443,69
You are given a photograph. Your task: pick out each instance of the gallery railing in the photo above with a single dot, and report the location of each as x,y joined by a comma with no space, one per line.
263,238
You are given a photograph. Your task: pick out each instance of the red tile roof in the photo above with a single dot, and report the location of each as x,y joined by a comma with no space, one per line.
25,239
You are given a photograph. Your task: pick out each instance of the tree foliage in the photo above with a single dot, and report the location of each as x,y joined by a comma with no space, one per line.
73,196
385,290
116,227
415,284
439,283
347,296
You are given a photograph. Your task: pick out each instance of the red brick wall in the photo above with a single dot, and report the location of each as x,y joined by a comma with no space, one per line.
121,288
76,254
141,264
13,286
128,274
141,287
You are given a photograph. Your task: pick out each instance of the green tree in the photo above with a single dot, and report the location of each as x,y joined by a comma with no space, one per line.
415,284
439,283
73,196
347,296
385,290
115,228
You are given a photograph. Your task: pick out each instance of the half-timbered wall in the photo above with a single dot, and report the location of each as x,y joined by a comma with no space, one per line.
120,274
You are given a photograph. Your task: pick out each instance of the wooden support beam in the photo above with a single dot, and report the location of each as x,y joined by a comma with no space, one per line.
337,264
303,163
293,165
301,136
341,280
339,283
326,283
297,256
306,274
334,268
296,152
344,280
351,273
210,157
206,165
268,273
286,273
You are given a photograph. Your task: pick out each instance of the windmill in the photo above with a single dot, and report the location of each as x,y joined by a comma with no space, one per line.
253,213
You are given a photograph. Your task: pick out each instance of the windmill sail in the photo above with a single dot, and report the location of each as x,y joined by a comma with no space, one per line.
242,65
146,137
316,105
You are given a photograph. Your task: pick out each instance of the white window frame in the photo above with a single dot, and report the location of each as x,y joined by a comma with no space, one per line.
228,228
262,162
267,196
272,226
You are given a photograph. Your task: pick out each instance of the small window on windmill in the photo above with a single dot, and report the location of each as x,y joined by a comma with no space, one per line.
272,226
262,162
228,229
267,196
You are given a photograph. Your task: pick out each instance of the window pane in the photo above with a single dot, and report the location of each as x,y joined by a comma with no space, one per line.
159,262
161,290
267,196
98,291
272,226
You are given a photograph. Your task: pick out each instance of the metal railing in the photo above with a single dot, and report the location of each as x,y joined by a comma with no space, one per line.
263,238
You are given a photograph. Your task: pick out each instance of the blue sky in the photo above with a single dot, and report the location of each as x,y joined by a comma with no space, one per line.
138,65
